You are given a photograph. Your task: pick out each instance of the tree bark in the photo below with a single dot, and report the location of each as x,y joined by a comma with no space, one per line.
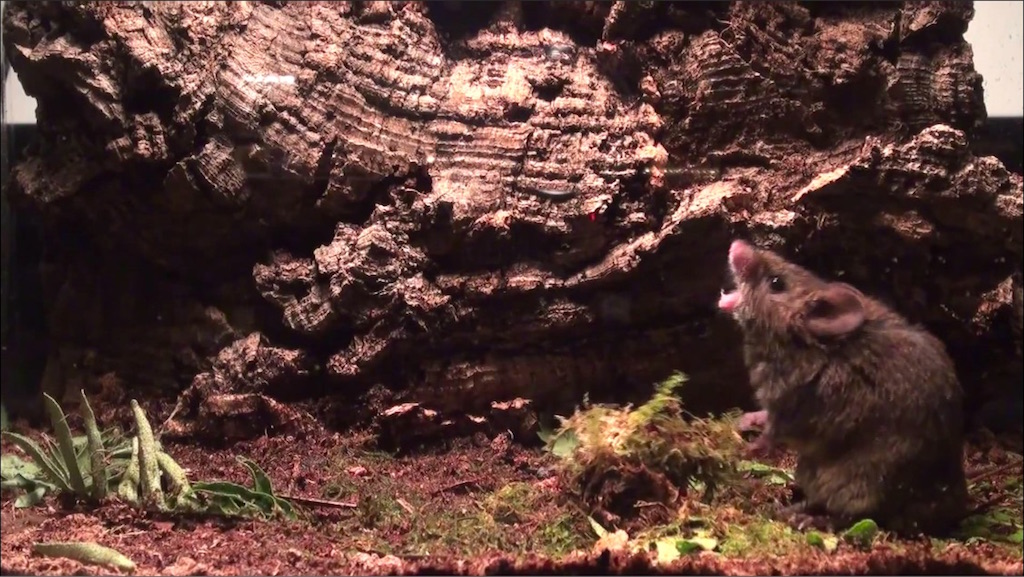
457,204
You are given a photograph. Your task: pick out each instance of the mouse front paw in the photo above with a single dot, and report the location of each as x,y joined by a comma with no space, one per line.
761,447
753,421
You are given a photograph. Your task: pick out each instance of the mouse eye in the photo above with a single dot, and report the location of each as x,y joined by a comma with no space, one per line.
776,284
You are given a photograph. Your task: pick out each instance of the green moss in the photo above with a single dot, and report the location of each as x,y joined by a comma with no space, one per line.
613,456
379,511
338,489
566,533
512,504
455,532
510,520
755,537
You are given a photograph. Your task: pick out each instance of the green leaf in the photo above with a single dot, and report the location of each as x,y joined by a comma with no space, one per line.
824,542
35,489
88,553
149,469
128,488
1017,537
11,465
260,481
97,462
816,540
544,435
41,459
694,544
1004,517
20,481
565,443
234,498
67,448
754,467
52,451
601,531
177,480
80,443
771,475
862,532
666,550
286,507
226,488
31,498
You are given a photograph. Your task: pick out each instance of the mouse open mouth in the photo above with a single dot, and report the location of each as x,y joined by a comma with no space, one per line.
728,300
730,295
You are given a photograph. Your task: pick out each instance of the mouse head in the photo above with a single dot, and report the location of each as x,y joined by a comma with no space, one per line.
776,296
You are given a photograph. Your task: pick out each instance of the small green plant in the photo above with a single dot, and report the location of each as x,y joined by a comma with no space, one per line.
231,499
26,476
137,469
75,469
998,525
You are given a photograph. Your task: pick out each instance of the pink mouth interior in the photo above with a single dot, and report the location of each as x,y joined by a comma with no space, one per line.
728,301
741,257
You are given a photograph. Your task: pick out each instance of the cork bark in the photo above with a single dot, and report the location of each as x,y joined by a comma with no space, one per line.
437,208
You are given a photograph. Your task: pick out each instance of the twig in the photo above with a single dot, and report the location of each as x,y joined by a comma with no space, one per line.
320,502
992,501
994,471
985,505
403,556
405,505
462,483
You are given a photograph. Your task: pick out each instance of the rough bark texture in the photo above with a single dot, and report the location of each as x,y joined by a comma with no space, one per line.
459,204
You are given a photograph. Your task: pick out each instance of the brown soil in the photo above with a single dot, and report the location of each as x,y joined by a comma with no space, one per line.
475,506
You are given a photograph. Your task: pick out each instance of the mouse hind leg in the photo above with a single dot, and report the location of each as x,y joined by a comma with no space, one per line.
838,493
808,509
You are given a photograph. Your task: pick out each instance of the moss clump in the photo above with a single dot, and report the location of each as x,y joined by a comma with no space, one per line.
636,463
565,533
510,520
512,504
379,511
397,514
757,537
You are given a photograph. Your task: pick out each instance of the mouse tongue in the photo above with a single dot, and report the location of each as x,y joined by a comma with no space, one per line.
728,300
741,257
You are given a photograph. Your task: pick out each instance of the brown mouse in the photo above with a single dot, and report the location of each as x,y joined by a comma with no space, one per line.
870,403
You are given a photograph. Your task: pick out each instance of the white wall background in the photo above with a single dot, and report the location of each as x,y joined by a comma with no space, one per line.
995,33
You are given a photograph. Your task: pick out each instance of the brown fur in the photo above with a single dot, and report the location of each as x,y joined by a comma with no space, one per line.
873,412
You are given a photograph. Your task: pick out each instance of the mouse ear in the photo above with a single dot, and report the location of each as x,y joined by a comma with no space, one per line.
836,310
